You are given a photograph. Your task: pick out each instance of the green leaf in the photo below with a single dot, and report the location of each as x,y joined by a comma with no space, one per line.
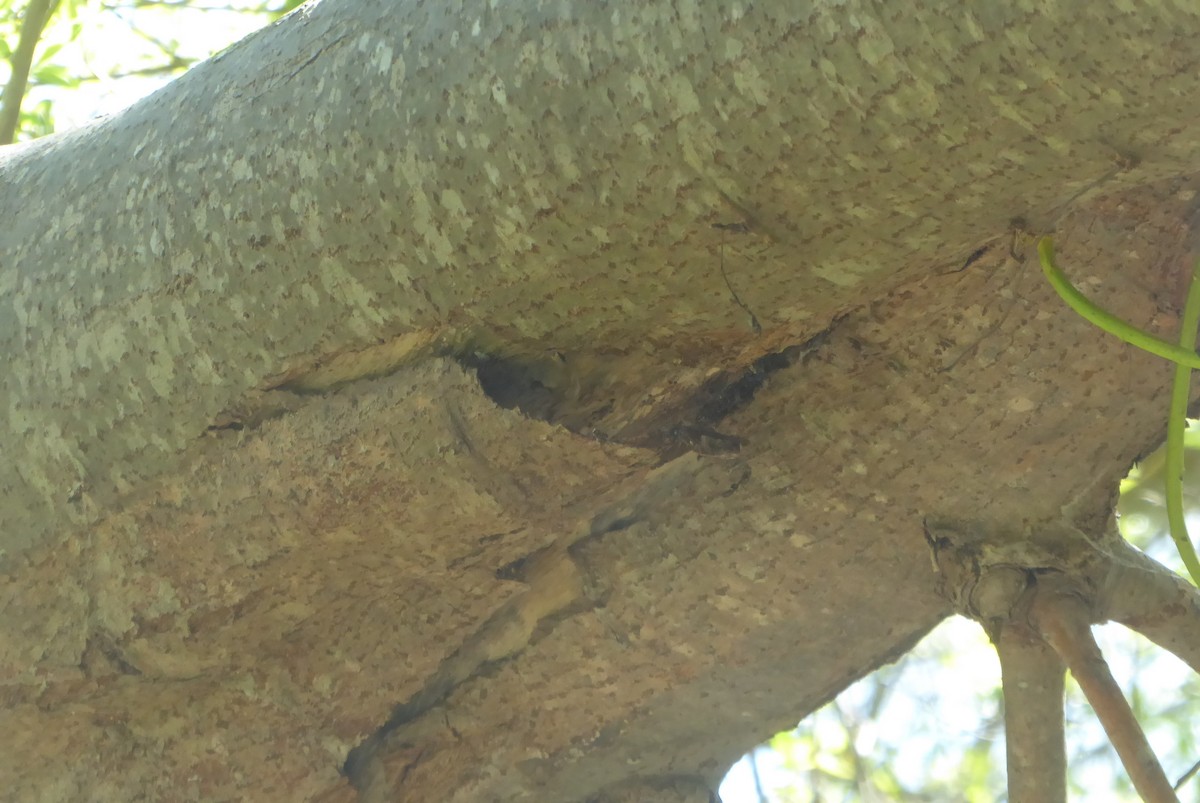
48,54
36,122
54,75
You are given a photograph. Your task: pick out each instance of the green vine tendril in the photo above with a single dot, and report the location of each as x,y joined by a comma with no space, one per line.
1185,359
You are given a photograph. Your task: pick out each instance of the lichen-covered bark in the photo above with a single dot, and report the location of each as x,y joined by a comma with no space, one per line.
532,176
259,516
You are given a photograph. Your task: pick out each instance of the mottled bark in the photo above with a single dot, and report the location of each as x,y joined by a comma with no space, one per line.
741,278
1035,743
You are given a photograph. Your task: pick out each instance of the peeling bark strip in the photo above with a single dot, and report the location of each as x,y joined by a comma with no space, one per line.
554,583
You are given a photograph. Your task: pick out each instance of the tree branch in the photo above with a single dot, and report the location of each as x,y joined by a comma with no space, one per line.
1032,675
1142,594
1064,622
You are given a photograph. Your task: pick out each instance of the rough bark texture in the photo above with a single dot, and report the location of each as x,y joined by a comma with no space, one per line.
549,402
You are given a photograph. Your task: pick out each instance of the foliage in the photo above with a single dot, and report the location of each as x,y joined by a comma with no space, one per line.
95,55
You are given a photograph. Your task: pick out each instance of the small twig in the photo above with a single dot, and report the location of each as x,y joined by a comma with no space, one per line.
758,785
1062,619
1187,776
1032,675
190,4
167,49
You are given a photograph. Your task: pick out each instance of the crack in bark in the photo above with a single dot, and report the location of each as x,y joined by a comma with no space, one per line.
575,391
692,424
257,409
555,583
737,228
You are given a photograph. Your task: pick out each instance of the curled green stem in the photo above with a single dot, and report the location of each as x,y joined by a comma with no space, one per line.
1181,386
1105,319
1185,359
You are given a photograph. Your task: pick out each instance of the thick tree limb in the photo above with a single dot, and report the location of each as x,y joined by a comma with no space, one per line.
368,186
371,181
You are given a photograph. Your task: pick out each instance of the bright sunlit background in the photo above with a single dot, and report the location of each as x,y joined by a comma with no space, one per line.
96,58
927,729
931,728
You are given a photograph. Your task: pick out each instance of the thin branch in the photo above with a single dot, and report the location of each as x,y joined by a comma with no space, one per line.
37,14
165,48
758,786
1187,776
1032,675
849,724
189,4
1146,596
175,65
1064,623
